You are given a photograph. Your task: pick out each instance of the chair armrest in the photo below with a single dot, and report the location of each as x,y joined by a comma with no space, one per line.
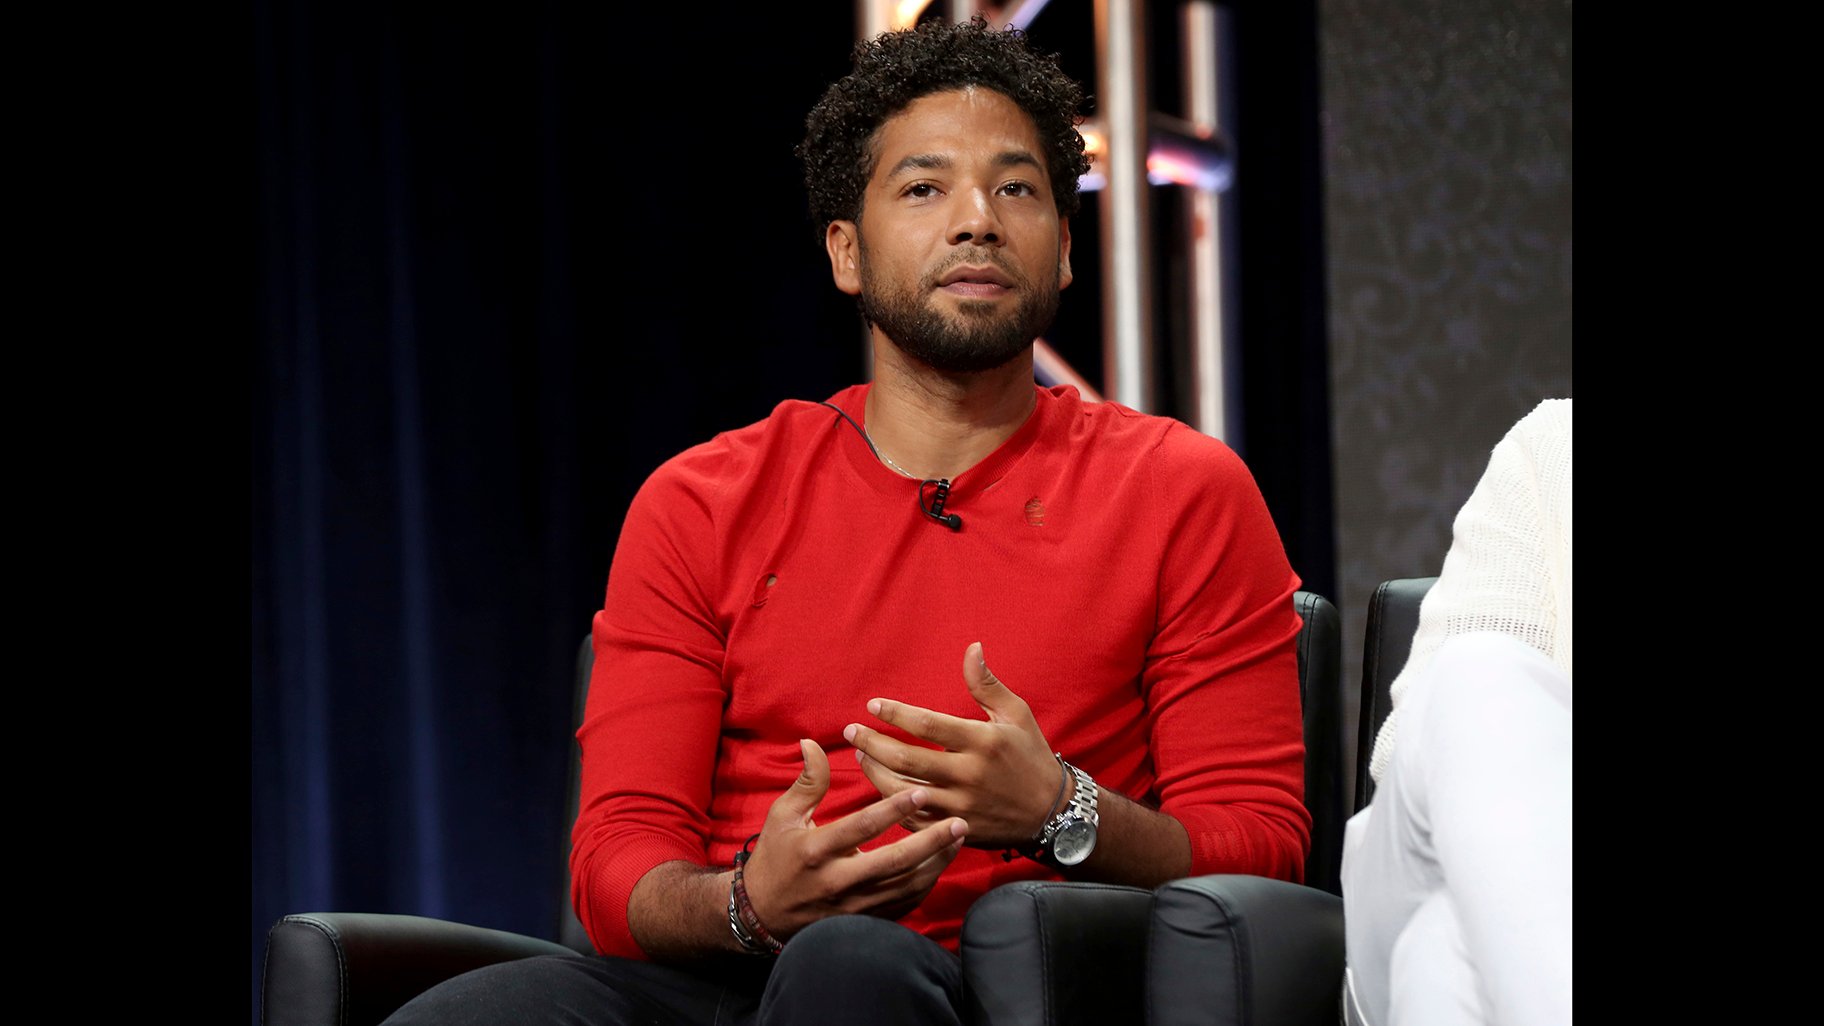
357,968
1055,953
1242,950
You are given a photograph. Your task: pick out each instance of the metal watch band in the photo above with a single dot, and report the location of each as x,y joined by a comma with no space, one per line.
1082,805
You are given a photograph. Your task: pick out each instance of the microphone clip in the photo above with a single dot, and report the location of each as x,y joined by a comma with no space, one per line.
935,510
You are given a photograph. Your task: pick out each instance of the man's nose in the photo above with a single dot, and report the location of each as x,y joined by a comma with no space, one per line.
975,220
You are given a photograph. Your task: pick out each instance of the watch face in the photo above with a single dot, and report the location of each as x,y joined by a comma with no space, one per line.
1075,840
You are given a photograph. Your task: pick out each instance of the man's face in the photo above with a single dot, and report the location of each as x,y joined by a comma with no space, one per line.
960,254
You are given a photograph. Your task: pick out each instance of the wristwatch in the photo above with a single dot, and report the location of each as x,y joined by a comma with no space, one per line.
1070,835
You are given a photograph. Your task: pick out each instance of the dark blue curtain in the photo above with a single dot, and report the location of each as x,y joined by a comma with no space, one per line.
499,280
418,569
507,262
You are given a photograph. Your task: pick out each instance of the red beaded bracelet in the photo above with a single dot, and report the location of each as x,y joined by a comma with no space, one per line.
741,917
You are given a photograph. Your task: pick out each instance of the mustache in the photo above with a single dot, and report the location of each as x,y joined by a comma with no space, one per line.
977,259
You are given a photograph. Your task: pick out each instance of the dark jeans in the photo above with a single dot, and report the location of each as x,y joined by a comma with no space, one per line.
845,969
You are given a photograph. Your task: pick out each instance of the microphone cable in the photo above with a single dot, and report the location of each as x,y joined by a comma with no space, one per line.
935,509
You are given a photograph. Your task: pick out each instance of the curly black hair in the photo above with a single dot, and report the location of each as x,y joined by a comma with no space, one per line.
895,68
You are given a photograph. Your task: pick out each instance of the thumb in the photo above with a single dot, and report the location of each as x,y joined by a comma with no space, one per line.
800,800
984,686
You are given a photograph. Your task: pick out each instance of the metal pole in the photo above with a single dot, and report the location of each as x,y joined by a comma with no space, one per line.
1212,302
872,17
1126,218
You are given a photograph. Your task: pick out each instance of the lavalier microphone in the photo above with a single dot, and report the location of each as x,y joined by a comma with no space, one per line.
936,508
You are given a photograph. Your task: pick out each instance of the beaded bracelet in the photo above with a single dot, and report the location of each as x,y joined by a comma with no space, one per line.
1032,850
741,918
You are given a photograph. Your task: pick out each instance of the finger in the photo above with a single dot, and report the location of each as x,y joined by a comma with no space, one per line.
795,806
894,897
906,855
952,732
917,763
919,877
918,821
887,782
993,696
890,783
844,835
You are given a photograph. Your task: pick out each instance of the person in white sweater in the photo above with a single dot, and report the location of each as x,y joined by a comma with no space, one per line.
1457,877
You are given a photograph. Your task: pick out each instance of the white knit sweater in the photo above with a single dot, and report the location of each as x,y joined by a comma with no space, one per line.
1509,564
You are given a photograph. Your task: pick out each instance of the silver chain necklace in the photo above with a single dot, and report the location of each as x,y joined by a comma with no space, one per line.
888,460
875,449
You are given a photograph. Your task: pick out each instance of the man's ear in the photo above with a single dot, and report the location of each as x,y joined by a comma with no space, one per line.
1063,253
843,240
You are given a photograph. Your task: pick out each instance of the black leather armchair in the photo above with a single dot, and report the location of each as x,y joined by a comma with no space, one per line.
1210,949
1393,618
354,968
1236,949
1034,952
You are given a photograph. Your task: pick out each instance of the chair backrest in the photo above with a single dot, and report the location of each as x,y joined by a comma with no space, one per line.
1393,618
1319,690
570,932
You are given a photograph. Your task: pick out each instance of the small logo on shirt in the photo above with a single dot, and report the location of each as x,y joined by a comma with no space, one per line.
1035,512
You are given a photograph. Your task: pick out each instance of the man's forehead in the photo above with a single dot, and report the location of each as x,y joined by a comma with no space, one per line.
941,161
926,133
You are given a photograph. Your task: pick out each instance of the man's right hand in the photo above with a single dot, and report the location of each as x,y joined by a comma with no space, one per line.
801,872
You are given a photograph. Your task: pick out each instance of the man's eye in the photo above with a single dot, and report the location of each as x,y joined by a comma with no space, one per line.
1019,189
921,190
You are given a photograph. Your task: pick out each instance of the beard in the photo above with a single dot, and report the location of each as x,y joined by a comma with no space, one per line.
980,336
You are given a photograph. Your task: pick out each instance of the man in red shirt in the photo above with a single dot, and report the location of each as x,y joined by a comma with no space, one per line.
868,658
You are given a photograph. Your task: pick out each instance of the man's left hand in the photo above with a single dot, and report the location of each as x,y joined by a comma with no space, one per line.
998,773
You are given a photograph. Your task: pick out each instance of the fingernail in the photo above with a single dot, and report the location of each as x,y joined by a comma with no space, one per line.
861,756
873,707
849,732
919,796
958,828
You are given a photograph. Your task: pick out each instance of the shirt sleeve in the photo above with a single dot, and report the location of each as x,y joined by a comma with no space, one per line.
1501,571
653,717
1221,676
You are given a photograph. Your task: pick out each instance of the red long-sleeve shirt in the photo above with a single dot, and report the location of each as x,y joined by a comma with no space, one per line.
1121,571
